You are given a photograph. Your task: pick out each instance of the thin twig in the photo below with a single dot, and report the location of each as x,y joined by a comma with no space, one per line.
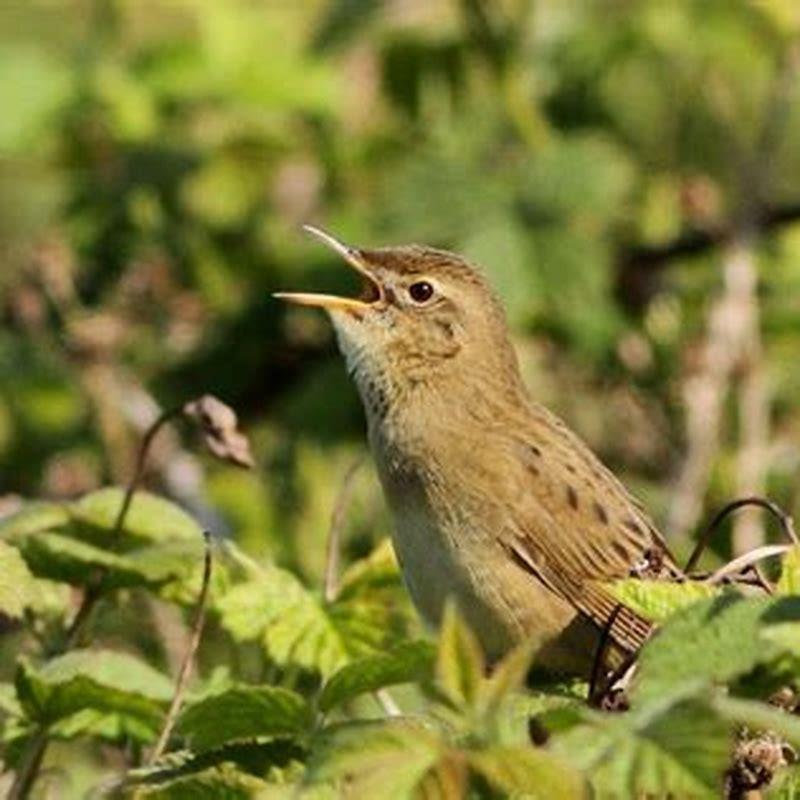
787,524
600,654
188,659
331,585
598,693
29,765
141,461
747,560
761,579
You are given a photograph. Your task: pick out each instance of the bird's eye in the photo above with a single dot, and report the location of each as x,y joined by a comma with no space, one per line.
420,292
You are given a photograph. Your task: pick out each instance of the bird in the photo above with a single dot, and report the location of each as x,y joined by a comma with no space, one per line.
496,505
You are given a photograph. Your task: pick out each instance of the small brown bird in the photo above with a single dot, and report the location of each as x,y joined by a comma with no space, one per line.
495,502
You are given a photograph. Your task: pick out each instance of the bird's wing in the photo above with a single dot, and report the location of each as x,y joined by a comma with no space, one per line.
575,527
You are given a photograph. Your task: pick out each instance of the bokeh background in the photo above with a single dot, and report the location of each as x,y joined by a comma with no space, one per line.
627,172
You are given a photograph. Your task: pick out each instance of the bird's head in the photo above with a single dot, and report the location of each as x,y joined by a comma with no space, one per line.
424,316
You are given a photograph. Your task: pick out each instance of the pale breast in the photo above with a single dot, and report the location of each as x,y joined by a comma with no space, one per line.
449,553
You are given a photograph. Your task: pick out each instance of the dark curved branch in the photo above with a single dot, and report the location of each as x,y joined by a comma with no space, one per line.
783,518
639,267
698,242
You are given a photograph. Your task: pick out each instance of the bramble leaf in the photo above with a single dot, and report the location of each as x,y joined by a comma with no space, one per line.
410,661
789,581
9,704
223,782
715,640
101,680
296,626
375,758
62,558
507,676
277,760
149,519
674,745
32,518
243,712
376,571
73,542
785,636
460,664
17,584
529,772
658,600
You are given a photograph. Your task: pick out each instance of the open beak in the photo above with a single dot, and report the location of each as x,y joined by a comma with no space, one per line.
371,295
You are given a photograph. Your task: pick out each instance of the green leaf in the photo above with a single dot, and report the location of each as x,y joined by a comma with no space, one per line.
553,711
9,704
32,518
297,627
150,519
102,680
15,727
109,726
169,560
244,712
376,571
506,677
674,745
374,758
785,636
659,600
17,585
280,761
789,582
410,661
715,640
51,599
72,543
528,772
460,664
62,558
224,782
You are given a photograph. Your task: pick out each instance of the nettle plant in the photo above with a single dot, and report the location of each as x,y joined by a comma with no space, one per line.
709,707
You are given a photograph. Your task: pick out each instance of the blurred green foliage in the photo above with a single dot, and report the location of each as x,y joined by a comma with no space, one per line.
157,160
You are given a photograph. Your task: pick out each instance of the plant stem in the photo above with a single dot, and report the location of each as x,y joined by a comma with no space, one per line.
191,650
29,766
597,685
141,461
331,585
747,560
